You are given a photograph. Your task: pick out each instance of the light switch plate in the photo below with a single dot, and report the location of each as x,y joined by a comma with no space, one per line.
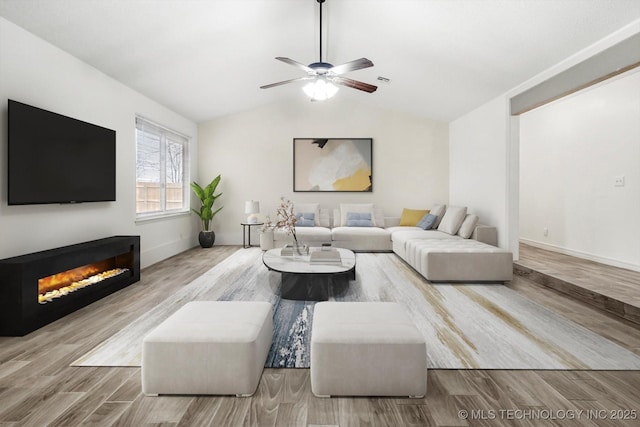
618,181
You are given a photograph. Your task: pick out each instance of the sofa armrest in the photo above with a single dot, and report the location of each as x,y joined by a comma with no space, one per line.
486,234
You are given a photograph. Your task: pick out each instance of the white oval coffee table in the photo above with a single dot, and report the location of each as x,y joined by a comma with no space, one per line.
311,281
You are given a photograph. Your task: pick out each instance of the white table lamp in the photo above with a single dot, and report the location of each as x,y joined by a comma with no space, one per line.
252,208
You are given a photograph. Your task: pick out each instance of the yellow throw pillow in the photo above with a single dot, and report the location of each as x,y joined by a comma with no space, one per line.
411,217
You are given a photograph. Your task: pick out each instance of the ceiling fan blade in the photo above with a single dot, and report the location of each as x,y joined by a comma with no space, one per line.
366,87
299,79
296,64
357,64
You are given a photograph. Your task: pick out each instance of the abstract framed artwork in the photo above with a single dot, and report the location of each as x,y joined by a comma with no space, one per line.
333,164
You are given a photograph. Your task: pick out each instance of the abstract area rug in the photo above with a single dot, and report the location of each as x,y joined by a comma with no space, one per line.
466,326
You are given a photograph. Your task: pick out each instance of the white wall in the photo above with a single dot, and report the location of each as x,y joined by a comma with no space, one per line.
570,152
478,166
254,153
37,73
489,129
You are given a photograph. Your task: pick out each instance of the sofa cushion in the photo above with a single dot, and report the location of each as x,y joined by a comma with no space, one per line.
411,217
361,238
308,207
452,219
355,207
404,233
304,235
396,228
305,219
400,235
427,221
468,225
359,219
438,210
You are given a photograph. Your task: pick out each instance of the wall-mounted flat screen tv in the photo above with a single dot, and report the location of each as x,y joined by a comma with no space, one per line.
57,159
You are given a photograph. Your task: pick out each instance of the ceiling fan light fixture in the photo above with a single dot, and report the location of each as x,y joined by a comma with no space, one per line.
320,89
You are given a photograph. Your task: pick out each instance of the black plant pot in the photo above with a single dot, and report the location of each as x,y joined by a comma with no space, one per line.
206,238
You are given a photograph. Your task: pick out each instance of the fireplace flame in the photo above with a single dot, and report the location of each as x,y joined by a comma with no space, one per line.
60,284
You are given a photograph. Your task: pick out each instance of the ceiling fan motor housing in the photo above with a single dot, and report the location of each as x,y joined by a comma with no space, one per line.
321,67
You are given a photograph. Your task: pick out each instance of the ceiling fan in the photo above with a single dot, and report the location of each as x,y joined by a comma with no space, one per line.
323,76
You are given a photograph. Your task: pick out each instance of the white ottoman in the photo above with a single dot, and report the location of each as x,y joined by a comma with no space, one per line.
208,347
366,349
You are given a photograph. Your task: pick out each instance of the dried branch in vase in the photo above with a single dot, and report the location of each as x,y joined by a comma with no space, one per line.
286,219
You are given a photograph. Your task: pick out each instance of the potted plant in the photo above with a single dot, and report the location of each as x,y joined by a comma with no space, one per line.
206,213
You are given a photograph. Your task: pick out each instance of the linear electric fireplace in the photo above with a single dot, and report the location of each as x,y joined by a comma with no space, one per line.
39,288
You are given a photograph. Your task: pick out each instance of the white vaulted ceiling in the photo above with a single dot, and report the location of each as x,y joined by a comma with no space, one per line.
207,58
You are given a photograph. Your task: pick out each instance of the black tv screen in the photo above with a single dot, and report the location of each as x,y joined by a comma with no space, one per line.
58,159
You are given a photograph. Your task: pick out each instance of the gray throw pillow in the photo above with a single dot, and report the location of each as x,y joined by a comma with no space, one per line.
359,219
314,208
427,221
305,219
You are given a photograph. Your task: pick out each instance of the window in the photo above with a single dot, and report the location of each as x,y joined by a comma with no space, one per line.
161,170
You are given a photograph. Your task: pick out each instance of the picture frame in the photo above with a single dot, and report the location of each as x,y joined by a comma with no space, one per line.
333,165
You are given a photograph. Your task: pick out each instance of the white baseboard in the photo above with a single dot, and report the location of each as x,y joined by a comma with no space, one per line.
580,254
156,254
235,238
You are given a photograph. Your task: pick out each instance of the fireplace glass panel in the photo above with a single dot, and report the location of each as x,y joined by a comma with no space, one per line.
60,284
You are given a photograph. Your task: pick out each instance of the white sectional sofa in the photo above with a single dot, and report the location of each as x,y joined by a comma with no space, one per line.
312,236
456,249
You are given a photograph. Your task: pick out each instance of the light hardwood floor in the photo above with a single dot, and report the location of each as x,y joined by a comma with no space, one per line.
613,289
38,387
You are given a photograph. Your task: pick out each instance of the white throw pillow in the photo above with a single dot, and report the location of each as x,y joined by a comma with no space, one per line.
356,207
468,225
308,207
452,219
325,219
437,210
378,217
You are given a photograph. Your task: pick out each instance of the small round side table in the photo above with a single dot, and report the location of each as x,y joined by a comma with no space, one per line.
245,226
